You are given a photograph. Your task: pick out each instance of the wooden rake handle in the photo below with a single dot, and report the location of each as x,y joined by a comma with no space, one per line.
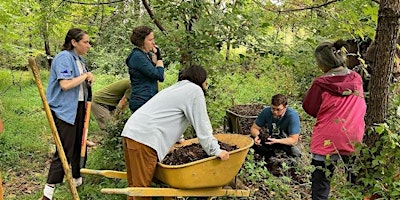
60,149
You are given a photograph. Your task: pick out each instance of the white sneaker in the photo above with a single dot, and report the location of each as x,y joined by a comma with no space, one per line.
78,181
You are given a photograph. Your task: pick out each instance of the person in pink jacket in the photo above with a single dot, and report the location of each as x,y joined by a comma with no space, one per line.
336,100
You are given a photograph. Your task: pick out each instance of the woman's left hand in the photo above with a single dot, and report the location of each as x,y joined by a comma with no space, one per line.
224,155
89,77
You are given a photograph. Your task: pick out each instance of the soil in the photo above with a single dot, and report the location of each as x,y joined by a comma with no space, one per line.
250,111
190,153
247,109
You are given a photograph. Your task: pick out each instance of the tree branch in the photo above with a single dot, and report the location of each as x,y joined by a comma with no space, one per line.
306,8
158,24
94,4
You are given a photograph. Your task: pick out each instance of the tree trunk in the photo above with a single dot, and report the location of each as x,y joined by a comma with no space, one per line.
382,63
47,48
228,46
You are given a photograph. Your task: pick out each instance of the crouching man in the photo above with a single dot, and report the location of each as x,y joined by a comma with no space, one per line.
282,125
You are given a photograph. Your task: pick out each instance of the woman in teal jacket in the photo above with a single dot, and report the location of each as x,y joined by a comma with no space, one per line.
143,74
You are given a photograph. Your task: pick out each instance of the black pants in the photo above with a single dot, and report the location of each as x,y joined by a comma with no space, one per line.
321,177
71,139
269,150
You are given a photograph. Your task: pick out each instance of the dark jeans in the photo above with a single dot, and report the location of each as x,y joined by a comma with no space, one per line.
321,177
71,139
269,150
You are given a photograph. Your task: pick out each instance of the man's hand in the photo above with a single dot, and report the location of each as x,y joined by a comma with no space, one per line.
272,141
121,107
257,141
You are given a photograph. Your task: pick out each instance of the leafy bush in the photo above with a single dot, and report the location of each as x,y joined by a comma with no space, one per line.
256,83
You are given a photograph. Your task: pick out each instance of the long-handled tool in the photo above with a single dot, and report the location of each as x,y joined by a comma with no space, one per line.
1,187
1,181
60,149
86,126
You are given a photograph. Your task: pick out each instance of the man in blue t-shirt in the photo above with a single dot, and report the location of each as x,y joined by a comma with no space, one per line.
282,125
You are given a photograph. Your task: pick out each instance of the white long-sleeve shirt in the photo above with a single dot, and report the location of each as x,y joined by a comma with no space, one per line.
161,121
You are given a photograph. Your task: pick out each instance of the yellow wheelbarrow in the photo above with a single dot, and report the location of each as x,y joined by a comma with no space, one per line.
202,178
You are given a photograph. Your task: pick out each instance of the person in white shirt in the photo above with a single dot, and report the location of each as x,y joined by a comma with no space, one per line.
156,126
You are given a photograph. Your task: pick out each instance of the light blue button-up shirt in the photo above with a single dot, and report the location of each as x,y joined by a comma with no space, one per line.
64,103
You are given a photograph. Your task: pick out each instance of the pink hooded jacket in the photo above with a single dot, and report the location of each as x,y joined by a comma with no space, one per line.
337,101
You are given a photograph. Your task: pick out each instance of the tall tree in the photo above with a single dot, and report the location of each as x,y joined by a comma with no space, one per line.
387,33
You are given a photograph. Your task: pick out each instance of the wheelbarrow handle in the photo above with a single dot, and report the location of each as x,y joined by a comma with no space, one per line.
105,173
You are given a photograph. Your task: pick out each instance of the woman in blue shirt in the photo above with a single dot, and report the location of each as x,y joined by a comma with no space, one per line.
143,74
66,94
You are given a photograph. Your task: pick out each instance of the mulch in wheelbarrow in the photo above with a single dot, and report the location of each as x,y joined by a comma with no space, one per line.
190,153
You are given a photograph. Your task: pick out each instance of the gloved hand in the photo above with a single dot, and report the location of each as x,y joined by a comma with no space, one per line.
158,54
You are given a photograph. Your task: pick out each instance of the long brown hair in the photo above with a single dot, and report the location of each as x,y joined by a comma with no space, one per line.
195,74
331,55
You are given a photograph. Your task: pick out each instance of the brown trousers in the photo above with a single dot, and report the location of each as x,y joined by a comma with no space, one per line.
140,161
101,114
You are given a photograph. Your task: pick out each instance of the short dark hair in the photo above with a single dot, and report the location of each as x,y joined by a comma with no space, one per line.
279,99
73,34
330,54
195,74
139,34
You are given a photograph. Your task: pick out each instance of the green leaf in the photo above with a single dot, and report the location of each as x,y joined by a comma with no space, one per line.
379,129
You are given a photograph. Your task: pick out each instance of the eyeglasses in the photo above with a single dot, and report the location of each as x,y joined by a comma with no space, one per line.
277,109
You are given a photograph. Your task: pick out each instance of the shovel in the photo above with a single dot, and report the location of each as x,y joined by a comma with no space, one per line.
86,126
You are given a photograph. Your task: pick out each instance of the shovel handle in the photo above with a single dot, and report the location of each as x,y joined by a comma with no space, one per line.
86,126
